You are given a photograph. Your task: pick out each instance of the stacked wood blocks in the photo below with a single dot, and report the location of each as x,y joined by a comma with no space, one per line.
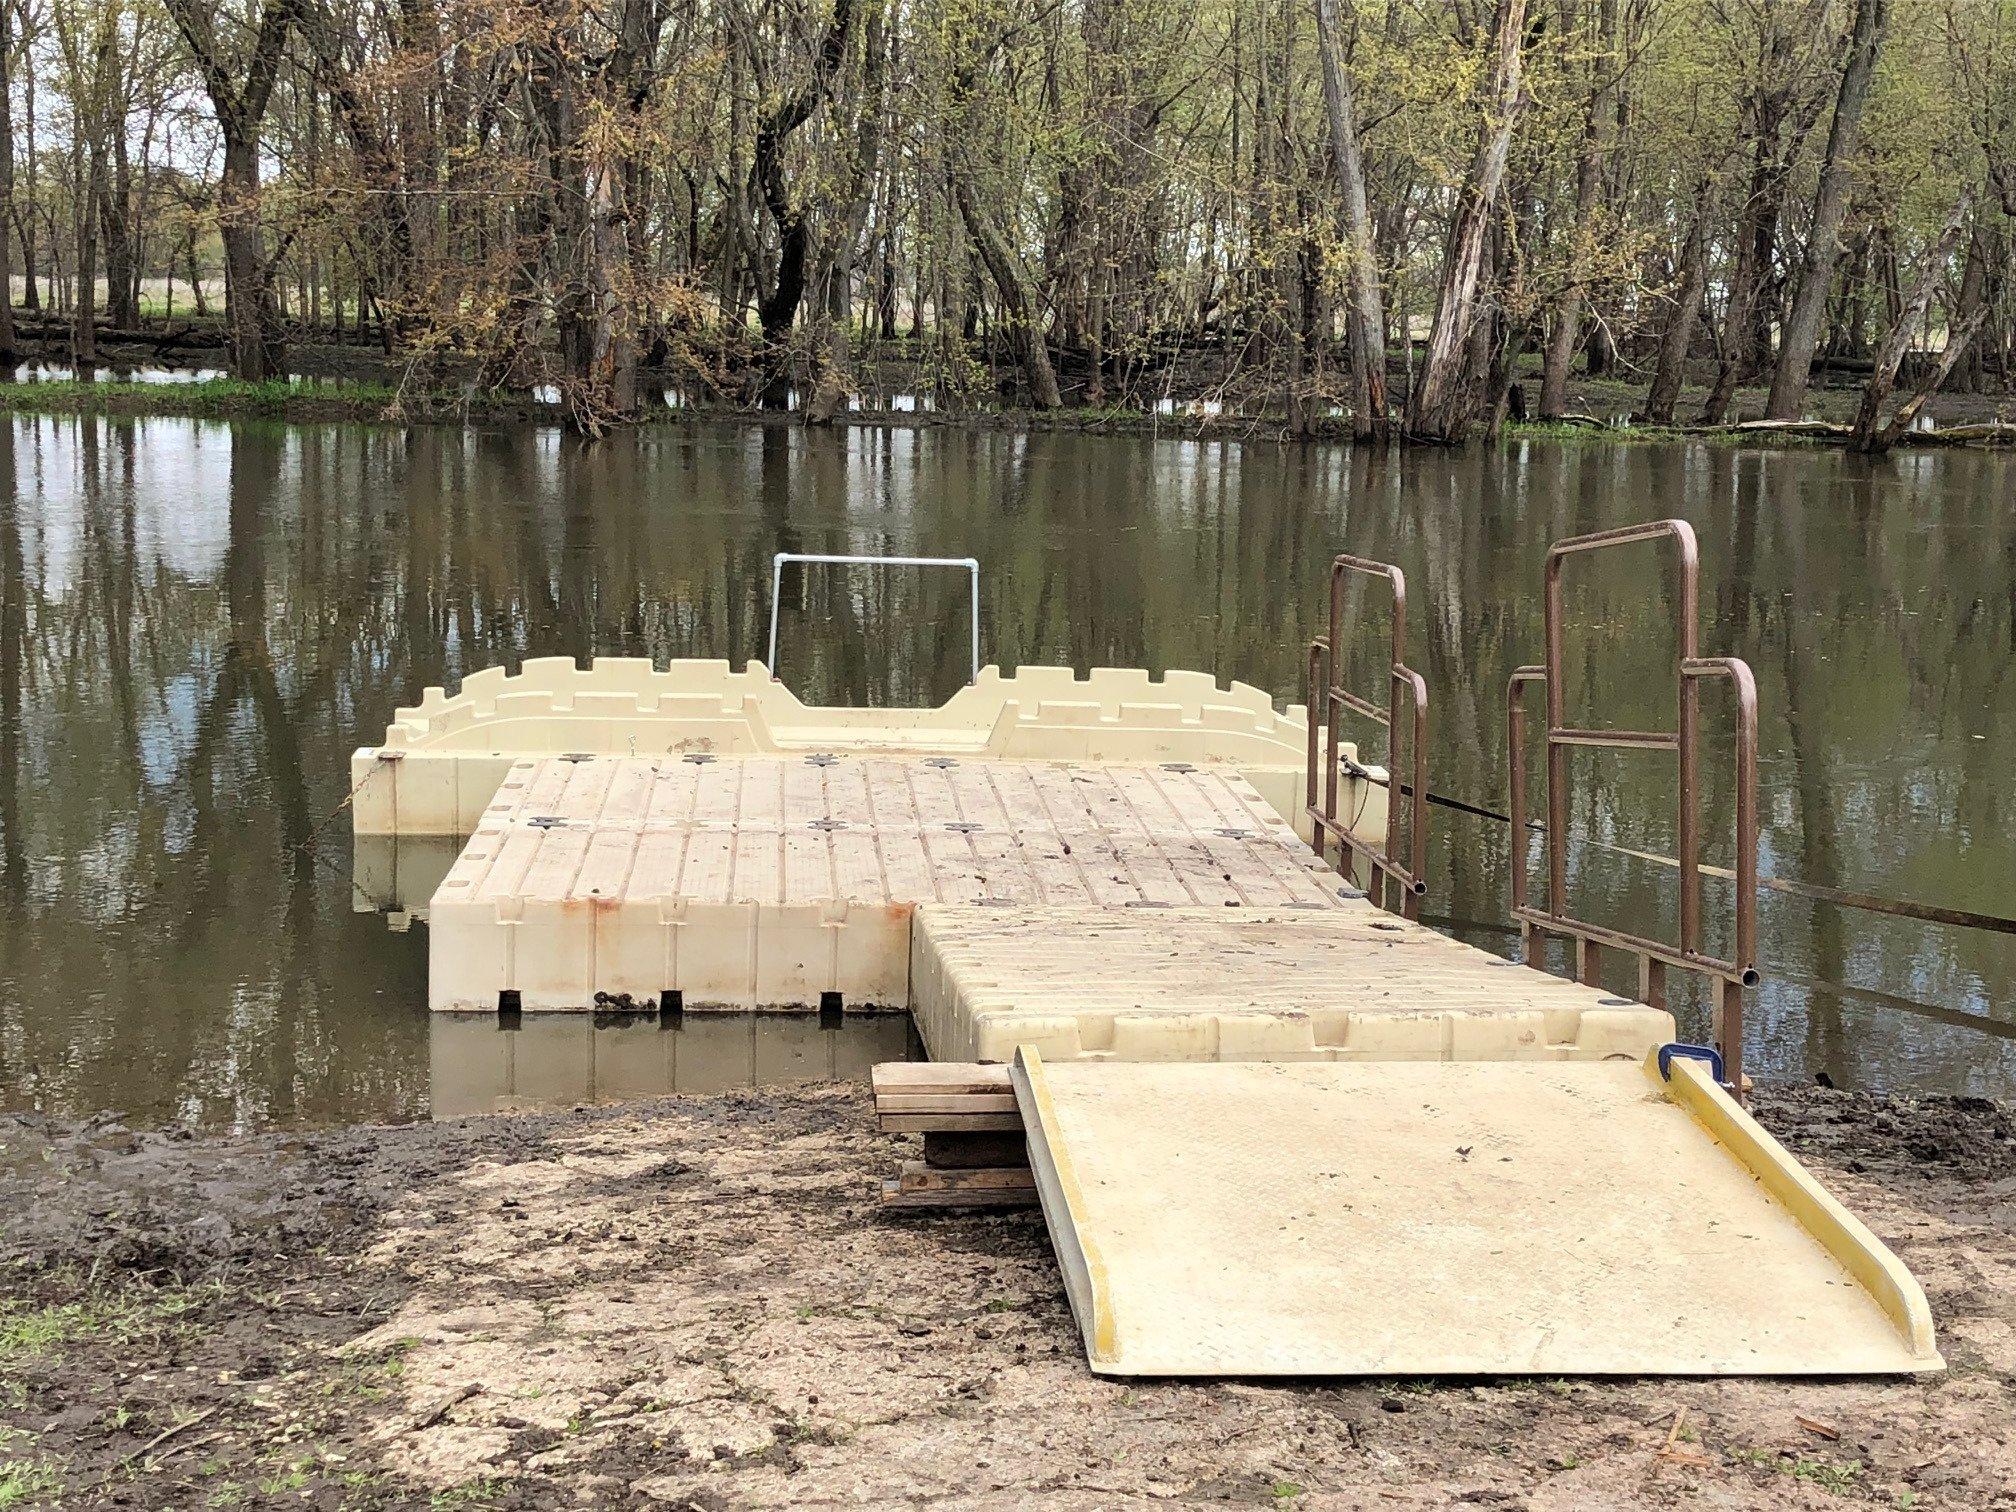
974,1155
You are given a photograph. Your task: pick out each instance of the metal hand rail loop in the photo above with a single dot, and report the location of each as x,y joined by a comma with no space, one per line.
1327,701
1691,669
971,566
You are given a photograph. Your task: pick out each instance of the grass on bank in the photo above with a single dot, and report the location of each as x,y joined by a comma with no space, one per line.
318,399
26,1480
205,397
29,1329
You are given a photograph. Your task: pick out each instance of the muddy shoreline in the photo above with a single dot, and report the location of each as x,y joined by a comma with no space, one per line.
693,1303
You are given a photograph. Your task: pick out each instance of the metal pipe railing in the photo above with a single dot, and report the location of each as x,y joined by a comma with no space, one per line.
1328,699
1691,669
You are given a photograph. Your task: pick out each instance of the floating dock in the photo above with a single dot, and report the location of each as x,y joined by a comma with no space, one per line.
1346,982
442,760
1275,1125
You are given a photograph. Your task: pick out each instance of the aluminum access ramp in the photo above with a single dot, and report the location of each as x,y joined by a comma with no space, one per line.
1425,1218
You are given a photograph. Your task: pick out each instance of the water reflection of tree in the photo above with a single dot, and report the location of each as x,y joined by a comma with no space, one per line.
15,671
246,680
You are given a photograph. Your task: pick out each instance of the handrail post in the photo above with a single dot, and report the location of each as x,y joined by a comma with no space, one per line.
1328,700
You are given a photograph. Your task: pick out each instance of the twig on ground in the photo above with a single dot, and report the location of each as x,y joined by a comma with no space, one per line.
427,1417
161,1438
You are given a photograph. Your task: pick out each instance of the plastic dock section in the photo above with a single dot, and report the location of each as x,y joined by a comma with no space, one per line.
769,882
443,759
1348,982
567,1060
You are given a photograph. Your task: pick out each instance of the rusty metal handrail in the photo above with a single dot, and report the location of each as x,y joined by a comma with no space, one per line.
1328,698
1732,976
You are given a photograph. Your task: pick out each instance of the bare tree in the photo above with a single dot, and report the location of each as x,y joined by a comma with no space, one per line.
1367,306
1598,116
1438,410
1830,202
239,59
1869,435
8,345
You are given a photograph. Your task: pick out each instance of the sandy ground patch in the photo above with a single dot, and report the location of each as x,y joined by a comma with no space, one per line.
693,1303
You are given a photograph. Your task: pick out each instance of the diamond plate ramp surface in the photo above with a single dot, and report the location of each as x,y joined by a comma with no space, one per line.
1326,1218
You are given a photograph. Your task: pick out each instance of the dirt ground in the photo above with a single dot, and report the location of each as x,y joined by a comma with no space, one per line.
693,1303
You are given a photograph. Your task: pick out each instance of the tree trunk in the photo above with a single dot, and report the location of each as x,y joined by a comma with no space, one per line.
32,299
31,282
1677,340
1897,342
1830,202
84,314
1437,410
196,294
777,310
240,107
1367,307
1567,333
831,344
1959,341
256,349
394,273
568,232
1744,280
611,369
590,119
1021,322
8,346
1967,376
122,305
1746,324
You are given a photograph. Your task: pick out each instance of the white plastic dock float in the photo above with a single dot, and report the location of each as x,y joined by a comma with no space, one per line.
1402,1218
1344,982
441,760
774,882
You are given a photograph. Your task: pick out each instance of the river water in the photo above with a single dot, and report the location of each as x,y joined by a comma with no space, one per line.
199,621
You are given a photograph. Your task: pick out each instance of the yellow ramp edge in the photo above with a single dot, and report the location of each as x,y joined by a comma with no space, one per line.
1428,1218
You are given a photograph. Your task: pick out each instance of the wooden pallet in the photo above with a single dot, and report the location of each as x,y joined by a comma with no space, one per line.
974,1153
